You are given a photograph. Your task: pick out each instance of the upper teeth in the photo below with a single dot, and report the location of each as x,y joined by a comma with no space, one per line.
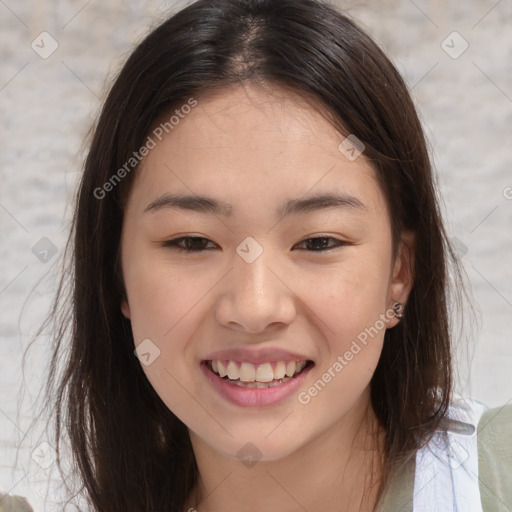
248,372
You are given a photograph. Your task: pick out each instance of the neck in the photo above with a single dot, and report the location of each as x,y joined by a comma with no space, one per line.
339,470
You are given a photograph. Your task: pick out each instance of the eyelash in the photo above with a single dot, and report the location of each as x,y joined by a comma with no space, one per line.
174,244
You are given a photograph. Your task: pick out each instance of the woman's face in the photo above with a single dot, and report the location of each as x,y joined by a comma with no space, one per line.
292,269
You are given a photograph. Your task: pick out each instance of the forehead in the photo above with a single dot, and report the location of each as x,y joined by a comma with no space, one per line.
252,146
254,118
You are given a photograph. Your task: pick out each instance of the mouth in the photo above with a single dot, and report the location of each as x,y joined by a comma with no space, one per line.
257,376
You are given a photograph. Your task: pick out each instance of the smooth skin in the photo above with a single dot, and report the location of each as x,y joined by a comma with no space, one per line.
256,148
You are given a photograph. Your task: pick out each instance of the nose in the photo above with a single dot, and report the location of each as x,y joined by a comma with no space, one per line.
255,297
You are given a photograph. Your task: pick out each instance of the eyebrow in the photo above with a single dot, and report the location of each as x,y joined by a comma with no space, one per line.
203,204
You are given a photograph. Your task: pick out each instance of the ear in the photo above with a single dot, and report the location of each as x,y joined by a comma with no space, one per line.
125,308
402,277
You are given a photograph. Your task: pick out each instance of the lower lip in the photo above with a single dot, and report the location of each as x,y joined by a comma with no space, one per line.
254,397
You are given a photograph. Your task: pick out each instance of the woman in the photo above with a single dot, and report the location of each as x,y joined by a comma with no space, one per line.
259,279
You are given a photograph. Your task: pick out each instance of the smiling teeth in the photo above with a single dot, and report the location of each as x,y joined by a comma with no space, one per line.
248,372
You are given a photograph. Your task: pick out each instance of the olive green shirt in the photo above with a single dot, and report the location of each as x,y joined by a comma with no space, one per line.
494,437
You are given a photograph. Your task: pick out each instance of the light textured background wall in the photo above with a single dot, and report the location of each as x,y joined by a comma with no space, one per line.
47,104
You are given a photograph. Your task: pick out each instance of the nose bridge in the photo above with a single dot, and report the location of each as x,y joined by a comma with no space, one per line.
251,263
253,280
253,296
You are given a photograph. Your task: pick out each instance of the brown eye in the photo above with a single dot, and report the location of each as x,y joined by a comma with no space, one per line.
319,244
188,244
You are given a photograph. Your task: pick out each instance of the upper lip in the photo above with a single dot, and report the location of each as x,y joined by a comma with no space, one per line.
256,356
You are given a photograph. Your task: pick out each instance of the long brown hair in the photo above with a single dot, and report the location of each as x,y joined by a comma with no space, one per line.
130,451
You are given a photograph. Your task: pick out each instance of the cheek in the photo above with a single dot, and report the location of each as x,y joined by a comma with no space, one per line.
349,302
350,308
351,296
160,296
165,308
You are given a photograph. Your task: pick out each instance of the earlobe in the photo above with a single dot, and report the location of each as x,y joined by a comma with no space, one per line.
125,308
